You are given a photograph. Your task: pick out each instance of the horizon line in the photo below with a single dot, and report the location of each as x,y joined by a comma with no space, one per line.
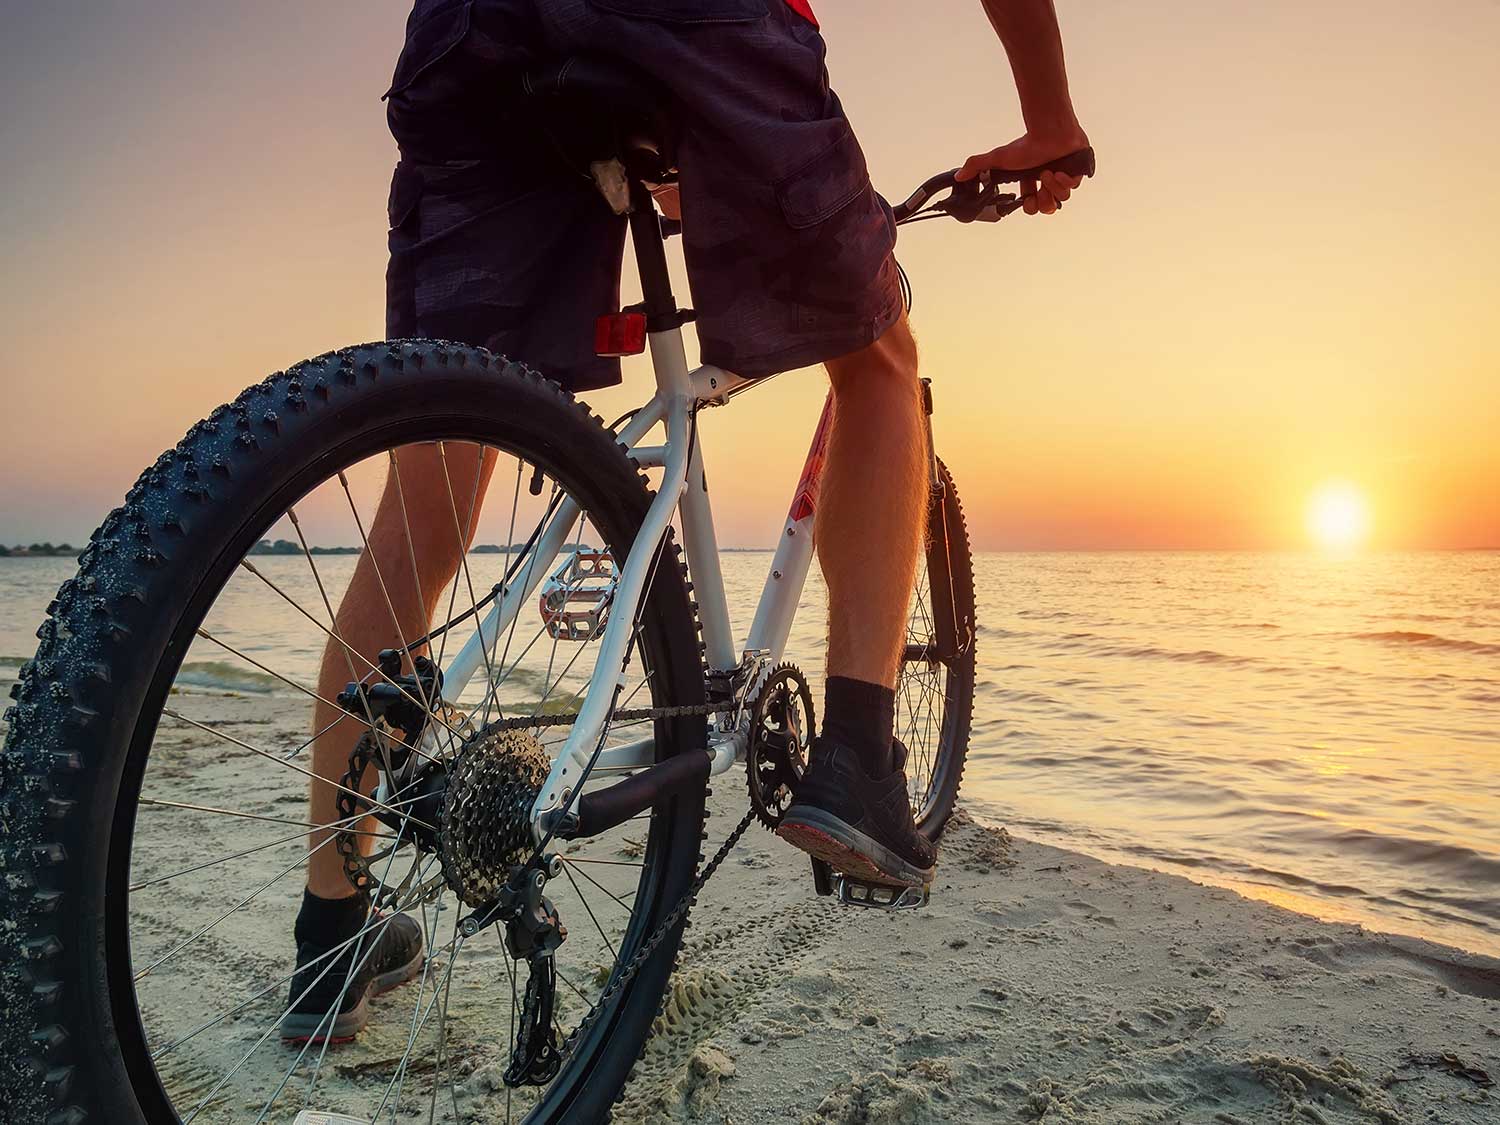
51,550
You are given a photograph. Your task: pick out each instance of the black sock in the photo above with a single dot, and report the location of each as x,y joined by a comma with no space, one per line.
326,922
862,717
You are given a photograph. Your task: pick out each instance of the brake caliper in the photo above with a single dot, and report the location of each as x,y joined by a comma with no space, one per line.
405,703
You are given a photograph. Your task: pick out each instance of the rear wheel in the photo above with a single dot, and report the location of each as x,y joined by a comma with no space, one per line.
935,688
154,782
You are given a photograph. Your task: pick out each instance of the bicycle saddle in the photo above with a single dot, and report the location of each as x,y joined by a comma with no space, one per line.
598,109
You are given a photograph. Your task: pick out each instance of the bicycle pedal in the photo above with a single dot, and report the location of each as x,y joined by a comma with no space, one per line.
822,877
881,896
318,1117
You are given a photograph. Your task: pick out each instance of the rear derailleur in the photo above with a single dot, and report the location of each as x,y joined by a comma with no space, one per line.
533,932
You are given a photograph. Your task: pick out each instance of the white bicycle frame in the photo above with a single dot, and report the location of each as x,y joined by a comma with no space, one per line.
680,392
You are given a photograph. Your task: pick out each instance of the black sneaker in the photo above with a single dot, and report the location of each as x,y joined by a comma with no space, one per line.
859,825
397,958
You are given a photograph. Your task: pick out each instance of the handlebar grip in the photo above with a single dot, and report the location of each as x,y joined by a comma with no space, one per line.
1080,164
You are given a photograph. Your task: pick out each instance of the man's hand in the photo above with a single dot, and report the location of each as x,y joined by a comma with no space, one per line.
1028,29
1028,152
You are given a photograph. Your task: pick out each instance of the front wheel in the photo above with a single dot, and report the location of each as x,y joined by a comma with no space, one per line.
154,785
935,688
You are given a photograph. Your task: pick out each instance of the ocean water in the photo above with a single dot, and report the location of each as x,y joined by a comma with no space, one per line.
1319,731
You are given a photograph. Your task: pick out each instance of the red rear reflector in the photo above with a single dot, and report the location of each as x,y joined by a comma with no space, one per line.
621,333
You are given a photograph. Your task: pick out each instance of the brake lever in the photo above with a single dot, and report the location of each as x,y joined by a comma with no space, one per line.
999,207
978,200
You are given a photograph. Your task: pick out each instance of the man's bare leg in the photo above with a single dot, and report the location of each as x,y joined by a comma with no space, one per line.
364,616
851,810
871,507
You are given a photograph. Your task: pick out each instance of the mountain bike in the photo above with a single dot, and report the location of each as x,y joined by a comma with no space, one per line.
530,774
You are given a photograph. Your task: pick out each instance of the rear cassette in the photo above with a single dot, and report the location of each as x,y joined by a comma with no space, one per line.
486,823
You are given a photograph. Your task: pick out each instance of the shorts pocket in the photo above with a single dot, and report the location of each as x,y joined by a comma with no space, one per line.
406,193
433,30
825,185
687,11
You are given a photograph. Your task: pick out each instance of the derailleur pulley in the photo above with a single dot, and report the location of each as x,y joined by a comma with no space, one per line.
533,932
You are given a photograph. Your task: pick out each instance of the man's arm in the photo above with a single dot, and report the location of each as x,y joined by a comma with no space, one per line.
1028,29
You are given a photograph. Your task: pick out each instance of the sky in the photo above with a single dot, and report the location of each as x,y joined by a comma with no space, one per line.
1286,273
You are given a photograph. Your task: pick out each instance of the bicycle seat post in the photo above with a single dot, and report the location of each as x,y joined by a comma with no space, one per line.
660,306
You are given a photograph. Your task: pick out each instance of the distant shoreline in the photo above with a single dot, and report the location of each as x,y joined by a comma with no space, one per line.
286,547
40,551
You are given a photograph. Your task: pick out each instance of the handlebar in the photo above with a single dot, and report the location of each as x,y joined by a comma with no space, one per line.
980,199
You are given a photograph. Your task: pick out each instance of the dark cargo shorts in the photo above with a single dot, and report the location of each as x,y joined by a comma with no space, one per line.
496,241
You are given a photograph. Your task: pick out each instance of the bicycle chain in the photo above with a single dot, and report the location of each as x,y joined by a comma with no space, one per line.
689,897
681,711
673,918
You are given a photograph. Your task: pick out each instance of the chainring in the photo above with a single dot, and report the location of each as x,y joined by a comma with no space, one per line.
782,722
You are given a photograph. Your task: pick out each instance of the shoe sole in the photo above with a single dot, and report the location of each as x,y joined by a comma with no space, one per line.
848,850
297,1029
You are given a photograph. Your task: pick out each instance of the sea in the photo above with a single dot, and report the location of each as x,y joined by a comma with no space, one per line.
1318,730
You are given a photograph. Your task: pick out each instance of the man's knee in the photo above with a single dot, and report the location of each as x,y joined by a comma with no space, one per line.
887,365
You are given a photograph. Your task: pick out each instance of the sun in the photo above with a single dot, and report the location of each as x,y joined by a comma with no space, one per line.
1338,516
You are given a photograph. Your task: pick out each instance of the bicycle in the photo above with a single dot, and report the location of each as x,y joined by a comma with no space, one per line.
106,782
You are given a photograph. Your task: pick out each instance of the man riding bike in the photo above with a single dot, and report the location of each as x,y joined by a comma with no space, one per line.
496,241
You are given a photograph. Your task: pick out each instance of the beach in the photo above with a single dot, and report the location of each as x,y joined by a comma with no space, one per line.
1314,730
1043,985
1038,985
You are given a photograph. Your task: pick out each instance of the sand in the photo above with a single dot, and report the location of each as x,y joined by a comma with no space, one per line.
1038,985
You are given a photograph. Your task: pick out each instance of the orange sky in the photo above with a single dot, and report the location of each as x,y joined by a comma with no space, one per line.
1286,271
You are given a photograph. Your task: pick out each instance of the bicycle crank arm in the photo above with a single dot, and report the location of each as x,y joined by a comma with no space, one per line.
603,809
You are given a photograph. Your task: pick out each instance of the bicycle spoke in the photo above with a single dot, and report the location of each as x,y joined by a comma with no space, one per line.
368,927
248,565
627,907
463,548
296,836
223,1081
510,531
455,945
558,682
285,871
231,812
492,694
333,622
328,955
525,585
607,943
318,1066
385,594
207,636
443,1024
353,968
291,766
398,1079
547,683
574,987
510,971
